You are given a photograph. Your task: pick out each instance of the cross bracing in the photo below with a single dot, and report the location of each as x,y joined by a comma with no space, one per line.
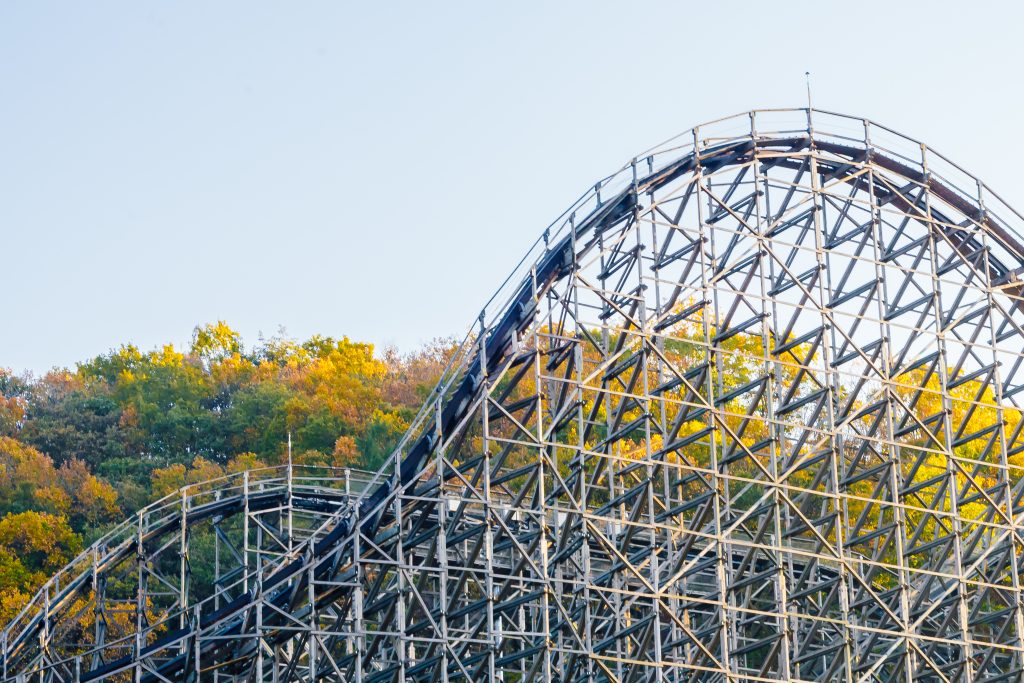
749,411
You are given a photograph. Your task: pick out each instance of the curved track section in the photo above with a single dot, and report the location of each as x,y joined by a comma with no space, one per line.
750,410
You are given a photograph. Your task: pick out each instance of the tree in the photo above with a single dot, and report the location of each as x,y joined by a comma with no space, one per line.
30,481
70,417
168,480
216,342
33,546
12,402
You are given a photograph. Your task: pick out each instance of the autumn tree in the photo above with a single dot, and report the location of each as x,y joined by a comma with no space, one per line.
33,546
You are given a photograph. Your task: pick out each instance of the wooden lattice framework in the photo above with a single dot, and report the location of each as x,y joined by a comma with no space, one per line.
749,411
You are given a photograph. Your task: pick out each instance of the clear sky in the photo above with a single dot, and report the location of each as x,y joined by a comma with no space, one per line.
374,169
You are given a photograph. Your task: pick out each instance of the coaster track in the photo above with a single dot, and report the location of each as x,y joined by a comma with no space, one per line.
748,411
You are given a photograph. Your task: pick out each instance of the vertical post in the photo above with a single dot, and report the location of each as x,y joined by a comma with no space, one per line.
891,444
713,386
258,597
197,645
359,626
442,541
245,531
488,513
404,647
954,486
183,564
99,592
140,600
312,642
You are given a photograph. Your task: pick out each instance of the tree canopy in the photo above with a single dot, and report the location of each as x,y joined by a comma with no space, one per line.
82,448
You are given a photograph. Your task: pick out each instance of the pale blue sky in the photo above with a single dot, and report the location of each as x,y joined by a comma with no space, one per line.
375,169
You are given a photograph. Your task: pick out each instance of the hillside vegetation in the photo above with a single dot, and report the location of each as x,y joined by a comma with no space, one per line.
82,448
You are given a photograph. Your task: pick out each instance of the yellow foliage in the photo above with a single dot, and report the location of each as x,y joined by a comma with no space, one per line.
346,453
243,462
39,539
312,458
167,480
70,490
216,340
12,600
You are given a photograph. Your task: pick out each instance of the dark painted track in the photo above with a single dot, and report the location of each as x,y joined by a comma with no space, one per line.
229,642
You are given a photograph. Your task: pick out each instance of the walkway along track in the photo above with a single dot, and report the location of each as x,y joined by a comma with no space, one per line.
594,493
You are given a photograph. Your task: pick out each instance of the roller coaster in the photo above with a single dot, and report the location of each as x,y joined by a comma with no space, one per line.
749,410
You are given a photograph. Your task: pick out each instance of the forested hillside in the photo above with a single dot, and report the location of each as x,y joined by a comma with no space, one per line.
82,448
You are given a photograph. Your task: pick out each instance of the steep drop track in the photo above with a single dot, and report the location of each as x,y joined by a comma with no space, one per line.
748,411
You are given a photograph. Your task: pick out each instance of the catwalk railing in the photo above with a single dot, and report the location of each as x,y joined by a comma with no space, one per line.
749,410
